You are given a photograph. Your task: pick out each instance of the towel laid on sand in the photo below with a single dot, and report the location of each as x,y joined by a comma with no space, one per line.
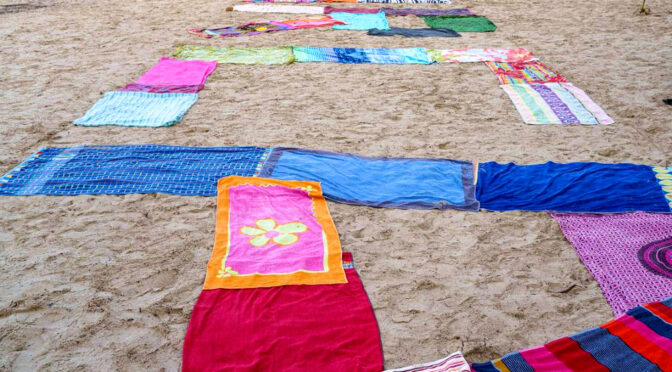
414,32
176,72
405,183
244,56
138,109
329,10
428,12
264,8
664,177
533,72
255,28
629,254
133,87
399,1
328,327
362,55
454,362
518,55
640,340
360,21
460,23
271,233
131,169
569,187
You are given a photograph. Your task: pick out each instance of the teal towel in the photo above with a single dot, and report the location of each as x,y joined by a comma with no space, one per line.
360,21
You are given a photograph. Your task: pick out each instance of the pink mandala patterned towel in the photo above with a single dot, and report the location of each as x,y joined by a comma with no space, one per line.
629,254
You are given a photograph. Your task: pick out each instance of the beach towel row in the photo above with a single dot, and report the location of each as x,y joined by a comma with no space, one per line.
419,183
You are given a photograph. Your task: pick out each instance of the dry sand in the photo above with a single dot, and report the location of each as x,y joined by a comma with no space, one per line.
108,282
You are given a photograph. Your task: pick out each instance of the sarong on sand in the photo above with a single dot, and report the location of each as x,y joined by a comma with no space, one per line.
362,55
255,28
481,55
176,72
360,21
132,169
271,233
533,72
454,362
629,255
138,109
640,340
398,1
414,32
570,187
245,56
291,328
329,10
461,24
405,183
265,8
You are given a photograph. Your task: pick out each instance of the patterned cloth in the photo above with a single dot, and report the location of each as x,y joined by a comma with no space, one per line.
133,87
360,21
640,340
629,255
244,56
483,55
263,8
272,233
427,12
664,176
524,73
329,10
175,72
555,103
362,55
461,24
138,109
255,28
133,169
404,1
280,1
414,32
454,362
379,182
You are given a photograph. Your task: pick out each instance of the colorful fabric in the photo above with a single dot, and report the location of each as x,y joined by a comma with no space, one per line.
461,24
518,55
133,169
555,103
571,187
280,1
138,109
175,72
403,1
255,28
378,182
629,255
427,12
360,21
524,73
414,32
244,56
133,87
272,233
285,329
664,176
329,10
640,340
454,362
362,55
263,8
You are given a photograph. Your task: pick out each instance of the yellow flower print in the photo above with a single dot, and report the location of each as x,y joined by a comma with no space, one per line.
267,229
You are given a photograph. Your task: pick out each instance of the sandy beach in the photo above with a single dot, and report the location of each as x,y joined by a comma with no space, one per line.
109,282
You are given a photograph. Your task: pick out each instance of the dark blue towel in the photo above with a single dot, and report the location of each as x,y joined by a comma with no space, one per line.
571,187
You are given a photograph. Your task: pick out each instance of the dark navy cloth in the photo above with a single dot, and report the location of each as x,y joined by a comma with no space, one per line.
406,183
571,187
414,32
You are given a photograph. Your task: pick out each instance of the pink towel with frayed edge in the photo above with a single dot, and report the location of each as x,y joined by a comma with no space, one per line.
176,72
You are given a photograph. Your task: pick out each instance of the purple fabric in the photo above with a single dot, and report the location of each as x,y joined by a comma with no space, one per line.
329,9
629,254
560,109
428,12
161,88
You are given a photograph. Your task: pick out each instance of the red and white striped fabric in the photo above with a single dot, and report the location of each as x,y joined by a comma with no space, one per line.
452,363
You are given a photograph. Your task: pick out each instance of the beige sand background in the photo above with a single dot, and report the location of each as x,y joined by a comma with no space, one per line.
108,282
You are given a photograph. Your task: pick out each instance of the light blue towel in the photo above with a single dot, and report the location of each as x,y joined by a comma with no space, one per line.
138,109
360,21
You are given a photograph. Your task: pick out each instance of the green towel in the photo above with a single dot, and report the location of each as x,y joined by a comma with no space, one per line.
461,24
243,56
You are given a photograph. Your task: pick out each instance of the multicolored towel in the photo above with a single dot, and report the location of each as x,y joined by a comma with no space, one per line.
414,32
290,328
379,182
329,10
280,1
255,28
360,21
362,55
460,23
428,12
133,169
571,187
244,56
518,55
264,8
133,87
640,340
273,233
452,363
629,255
175,72
138,109
401,1
664,176
524,73
555,103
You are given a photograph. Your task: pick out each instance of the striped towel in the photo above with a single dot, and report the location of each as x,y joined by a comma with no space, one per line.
452,363
362,55
533,72
640,340
138,109
555,103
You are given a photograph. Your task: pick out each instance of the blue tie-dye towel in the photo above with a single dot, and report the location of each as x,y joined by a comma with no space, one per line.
362,55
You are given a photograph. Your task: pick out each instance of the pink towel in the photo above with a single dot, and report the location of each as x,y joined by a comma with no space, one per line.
176,72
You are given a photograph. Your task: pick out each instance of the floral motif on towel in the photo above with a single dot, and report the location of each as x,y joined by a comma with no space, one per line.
268,230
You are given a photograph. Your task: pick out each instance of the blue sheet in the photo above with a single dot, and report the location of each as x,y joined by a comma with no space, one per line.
360,21
571,187
135,169
405,183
